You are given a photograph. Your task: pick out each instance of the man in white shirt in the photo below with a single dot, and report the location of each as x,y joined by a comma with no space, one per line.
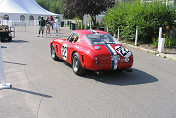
56,25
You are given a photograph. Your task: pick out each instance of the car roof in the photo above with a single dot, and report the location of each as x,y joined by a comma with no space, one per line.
84,32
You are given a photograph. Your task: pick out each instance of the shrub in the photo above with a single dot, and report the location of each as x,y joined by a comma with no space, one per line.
147,17
169,42
155,42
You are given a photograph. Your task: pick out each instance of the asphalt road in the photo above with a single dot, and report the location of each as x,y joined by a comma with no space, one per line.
43,88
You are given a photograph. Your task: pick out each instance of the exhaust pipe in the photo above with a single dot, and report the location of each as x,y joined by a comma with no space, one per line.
129,70
100,73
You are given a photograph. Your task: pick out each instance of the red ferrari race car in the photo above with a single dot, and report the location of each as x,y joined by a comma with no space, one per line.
94,50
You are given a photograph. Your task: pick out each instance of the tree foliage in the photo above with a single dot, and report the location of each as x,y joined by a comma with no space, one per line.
55,6
91,7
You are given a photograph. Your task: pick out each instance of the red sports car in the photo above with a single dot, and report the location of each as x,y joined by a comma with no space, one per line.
94,50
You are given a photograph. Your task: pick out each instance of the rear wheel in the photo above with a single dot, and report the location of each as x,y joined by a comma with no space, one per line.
53,53
76,65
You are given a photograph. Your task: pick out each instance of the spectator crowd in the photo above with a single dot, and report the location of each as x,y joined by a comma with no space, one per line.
49,23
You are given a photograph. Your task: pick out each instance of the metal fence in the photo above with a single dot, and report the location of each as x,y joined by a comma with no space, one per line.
19,23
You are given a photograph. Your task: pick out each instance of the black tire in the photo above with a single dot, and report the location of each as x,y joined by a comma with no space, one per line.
53,53
10,38
76,65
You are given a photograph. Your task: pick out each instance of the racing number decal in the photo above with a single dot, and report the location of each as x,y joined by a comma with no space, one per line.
123,51
64,51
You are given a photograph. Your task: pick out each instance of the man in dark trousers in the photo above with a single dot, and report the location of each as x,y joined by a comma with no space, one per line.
42,23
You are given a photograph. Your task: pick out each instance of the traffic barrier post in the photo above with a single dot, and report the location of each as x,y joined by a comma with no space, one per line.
118,35
136,38
3,84
161,41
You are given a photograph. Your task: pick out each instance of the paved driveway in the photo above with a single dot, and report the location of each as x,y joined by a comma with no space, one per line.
43,88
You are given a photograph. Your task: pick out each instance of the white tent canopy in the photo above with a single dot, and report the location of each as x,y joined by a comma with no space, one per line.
28,9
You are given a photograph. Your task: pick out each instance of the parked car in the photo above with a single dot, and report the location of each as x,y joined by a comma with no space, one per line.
94,50
6,33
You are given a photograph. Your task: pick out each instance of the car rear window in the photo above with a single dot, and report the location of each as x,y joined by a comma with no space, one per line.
100,39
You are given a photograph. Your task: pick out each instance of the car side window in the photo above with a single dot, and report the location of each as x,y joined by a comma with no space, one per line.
70,38
75,38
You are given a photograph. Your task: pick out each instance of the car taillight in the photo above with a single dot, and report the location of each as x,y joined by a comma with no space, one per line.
127,59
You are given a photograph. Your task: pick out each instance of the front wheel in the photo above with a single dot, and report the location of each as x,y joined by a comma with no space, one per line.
53,53
9,38
76,65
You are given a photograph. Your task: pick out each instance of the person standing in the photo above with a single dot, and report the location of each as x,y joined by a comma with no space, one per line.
52,21
42,26
48,22
56,25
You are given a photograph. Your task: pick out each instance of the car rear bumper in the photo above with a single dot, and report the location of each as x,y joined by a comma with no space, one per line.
99,66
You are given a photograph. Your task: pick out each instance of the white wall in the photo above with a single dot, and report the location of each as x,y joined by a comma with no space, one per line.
86,19
16,17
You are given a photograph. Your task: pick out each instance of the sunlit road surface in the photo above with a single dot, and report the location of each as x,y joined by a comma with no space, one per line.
43,88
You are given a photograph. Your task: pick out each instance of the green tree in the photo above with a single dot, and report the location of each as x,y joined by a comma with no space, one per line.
56,6
91,7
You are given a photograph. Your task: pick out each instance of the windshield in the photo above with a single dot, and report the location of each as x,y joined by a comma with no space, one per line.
100,39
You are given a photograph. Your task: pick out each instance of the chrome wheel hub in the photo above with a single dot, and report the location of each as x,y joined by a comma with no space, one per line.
75,64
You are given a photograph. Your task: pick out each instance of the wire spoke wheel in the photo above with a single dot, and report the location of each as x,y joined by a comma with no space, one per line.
53,53
75,63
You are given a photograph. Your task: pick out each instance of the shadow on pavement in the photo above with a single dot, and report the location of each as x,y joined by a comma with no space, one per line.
3,47
16,41
123,78
14,63
170,53
19,41
52,37
31,92
57,37
120,78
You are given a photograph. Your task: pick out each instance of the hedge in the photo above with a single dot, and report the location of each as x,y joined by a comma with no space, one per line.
147,17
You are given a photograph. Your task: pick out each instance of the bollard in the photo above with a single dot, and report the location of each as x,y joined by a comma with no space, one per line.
107,29
118,35
115,36
25,26
162,44
161,41
167,2
90,24
160,35
136,38
86,25
81,26
3,84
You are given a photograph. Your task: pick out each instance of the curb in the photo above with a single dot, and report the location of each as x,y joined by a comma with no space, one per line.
168,56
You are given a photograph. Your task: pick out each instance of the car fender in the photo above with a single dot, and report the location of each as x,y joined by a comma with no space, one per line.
80,50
